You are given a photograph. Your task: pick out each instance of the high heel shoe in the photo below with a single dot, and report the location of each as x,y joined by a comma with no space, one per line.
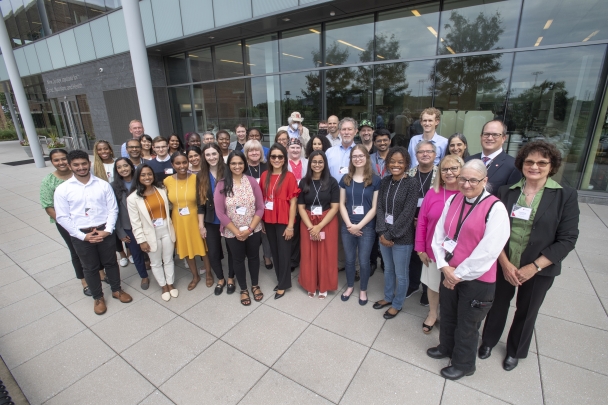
268,266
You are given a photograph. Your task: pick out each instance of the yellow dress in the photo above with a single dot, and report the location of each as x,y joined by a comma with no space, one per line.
182,193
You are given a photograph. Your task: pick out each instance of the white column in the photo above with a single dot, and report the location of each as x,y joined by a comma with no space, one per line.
24,108
11,108
141,68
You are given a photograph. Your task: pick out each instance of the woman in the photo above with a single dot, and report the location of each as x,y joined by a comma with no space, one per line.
194,159
470,234
59,159
544,229
175,144
181,190
123,178
358,200
282,138
223,140
280,191
443,187
212,170
241,137
194,140
457,145
239,205
256,165
397,201
318,204
297,164
152,227
147,152
317,142
254,134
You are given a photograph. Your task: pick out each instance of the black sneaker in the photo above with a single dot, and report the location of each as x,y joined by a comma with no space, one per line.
424,299
411,291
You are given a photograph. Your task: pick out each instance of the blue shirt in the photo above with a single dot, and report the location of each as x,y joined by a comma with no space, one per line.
440,142
356,194
337,157
123,150
379,165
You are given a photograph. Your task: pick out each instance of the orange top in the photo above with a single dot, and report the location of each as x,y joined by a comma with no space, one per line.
155,205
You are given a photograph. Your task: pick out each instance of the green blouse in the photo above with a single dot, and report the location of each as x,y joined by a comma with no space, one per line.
47,191
520,229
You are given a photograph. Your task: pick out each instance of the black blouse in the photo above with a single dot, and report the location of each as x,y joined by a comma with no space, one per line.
331,194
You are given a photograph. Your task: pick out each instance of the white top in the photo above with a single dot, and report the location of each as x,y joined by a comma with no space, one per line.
441,144
80,205
334,141
484,255
109,168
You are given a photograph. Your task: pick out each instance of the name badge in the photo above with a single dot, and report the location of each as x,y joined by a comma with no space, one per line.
316,210
343,170
269,205
87,212
243,228
520,212
420,202
258,180
357,209
169,171
449,245
158,222
241,210
184,211
388,218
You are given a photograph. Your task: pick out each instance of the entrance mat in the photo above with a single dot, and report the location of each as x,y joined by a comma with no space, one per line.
24,162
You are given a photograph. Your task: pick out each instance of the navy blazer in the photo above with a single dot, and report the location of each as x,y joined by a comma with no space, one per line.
501,171
554,229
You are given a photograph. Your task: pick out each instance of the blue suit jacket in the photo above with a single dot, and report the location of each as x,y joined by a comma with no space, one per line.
501,171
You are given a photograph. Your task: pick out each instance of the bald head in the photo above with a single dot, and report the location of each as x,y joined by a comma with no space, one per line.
332,126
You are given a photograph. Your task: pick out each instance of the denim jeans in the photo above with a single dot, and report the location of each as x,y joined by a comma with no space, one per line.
138,255
396,268
363,244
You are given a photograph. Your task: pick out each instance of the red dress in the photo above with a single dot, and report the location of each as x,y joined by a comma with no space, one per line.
280,197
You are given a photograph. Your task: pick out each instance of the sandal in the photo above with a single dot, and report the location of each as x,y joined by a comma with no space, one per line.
426,329
209,279
322,295
257,293
193,284
245,301
312,295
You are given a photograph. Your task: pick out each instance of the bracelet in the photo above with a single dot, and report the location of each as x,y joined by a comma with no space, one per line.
289,229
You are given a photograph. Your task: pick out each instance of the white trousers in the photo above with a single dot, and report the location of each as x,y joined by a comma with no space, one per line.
163,254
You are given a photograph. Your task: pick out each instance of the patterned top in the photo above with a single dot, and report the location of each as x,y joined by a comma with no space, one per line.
47,191
242,196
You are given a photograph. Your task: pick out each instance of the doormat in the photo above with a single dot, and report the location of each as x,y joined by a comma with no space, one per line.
25,162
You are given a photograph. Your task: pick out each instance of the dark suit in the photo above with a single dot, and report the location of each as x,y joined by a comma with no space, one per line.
501,171
553,234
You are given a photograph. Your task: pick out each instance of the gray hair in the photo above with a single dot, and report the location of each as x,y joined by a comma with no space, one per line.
479,167
348,119
425,142
254,144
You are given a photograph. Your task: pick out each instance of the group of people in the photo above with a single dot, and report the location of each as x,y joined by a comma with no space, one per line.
472,230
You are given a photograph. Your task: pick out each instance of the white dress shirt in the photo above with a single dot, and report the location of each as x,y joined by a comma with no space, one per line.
487,251
79,205
334,141
492,156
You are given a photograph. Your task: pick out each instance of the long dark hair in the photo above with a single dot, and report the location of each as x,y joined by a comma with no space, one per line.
284,169
325,175
202,178
228,182
324,141
58,150
118,185
181,144
463,139
140,188
177,154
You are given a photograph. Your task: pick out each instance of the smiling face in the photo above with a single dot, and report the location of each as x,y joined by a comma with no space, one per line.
80,167
492,137
397,165
457,147
241,133
208,138
146,144
295,151
174,142
347,132
276,158
253,156
425,155
136,129
317,164
161,149
211,156
237,165
255,135
194,158
366,134
317,144
194,140
134,149
531,169
146,177
124,169
358,158
223,140
60,162
382,143
450,170
104,152
466,188
283,139
332,125
180,165
429,123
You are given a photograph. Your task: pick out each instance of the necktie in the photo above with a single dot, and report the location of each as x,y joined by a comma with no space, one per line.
485,160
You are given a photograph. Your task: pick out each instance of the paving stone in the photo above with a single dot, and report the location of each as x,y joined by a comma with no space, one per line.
156,398
581,308
455,393
275,389
27,311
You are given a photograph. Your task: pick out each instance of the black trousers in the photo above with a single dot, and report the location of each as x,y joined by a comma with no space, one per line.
75,259
295,244
530,297
215,252
459,332
95,256
281,254
250,249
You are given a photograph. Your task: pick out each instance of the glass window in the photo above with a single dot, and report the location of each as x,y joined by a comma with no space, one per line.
23,24
59,15
113,4
301,92
177,71
31,8
552,22
231,104
471,91
596,172
408,32
181,109
349,41
478,25
262,55
78,12
205,108
228,60
201,66
95,8
11,25
300,49
263,101
348,92
552,96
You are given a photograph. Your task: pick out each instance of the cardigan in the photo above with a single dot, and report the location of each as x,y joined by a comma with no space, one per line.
220,201
405,201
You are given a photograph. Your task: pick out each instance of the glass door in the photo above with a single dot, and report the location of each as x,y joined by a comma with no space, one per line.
74,128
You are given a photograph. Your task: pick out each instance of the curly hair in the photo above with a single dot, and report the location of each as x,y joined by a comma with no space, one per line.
403,152
545,149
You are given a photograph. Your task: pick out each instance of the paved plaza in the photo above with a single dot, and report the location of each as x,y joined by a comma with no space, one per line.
205,349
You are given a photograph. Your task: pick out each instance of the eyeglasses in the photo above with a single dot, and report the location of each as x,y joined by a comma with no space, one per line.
453,169
317,163
425,152
542,164
491,134
382,140
160,147
276,157
358,157
472,182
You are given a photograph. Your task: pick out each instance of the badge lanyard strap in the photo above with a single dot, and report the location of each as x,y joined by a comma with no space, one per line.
380,172
389,191
177,193
150,208
422,183
257,171
317,192
522,193
273,187
352,192
461,221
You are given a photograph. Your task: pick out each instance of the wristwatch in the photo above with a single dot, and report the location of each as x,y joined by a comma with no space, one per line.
250,230
538,268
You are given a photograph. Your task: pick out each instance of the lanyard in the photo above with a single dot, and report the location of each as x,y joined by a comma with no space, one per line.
460,219
389,191
177,193
150,208
522,193
317,192
257,171
380,171
352,192
273,187
423,183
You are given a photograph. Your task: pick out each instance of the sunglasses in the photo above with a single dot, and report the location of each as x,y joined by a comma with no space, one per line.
277,157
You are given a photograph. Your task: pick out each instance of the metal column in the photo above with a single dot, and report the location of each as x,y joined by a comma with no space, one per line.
11,108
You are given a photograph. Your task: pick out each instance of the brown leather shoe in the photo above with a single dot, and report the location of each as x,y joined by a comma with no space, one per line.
100,306
209,280
122,296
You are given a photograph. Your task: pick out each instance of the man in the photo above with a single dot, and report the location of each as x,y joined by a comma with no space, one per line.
334,132
161,164
501,167
208,137
322,128
86,207
424,175
136,128
241,138
366,133
134,151
295,129
429,118
382,141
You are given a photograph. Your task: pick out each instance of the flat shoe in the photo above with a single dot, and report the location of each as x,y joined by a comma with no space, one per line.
166,296
322,295
145,285
452,373
174,293
345,297
231,288
312,295
388,315
87,291
193,284
362,302
435,353
509,363
268,266
219,288
377,305
277,295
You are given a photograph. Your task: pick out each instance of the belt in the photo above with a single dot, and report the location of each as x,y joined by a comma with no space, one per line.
93,228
